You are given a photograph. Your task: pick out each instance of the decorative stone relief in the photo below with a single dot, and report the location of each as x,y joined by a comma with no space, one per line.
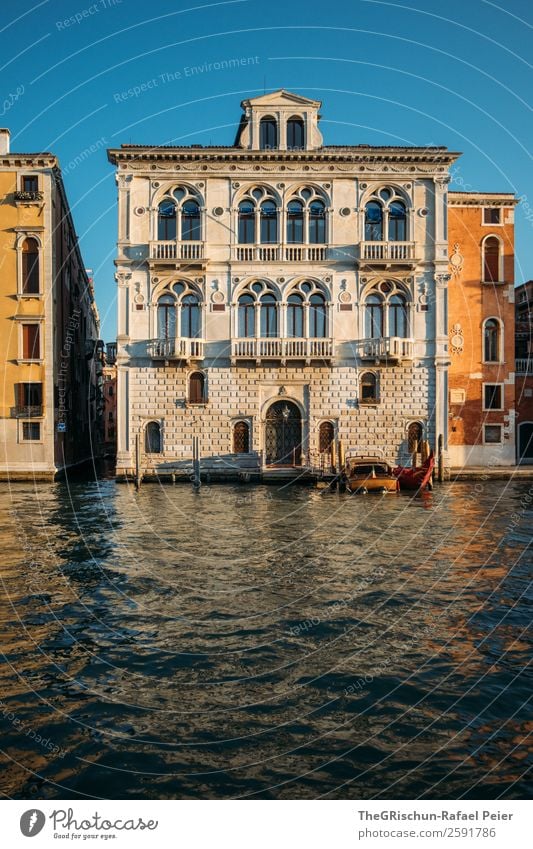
457,341
456,261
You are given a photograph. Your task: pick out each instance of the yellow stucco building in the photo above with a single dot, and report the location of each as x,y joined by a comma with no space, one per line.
49,364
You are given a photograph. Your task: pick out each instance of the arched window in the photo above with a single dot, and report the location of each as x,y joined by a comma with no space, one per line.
268,134
295,315
491,260
246,223
295,134
269,315
373,222
197,388
166,317
317,316
317,223
295,221
166,221
190,222
190,317
246,316
326,436
397,221
491,341
397,316
241,438
373,317
269,222
152,438
30,267
368,388
414,437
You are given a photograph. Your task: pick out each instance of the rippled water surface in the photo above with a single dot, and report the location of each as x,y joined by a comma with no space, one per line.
264,642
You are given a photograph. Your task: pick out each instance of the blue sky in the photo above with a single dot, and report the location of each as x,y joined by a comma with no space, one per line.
409,72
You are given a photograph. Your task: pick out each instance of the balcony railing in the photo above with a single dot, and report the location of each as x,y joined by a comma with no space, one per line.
279,253
177,250
176,349
524,365
26,412
386,348
28,197
387,251
282,349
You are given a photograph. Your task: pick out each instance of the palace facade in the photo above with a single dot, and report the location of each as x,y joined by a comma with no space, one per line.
49,363
279,295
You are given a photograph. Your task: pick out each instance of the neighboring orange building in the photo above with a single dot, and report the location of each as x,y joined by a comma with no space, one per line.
110,400
524,372
481,322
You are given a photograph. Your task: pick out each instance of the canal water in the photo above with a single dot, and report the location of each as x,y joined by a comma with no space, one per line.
264,642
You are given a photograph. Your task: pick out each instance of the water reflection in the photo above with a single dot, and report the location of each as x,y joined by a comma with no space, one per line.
276,643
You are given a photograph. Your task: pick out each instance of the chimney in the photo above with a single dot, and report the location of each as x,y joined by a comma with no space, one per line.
4,141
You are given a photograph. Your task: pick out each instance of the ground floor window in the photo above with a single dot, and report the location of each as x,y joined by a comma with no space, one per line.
326,435
241,438
152,438
492,434
414,437
197,388
31,431
368,388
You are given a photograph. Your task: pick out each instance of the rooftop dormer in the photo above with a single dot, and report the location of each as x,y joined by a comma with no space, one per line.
279,121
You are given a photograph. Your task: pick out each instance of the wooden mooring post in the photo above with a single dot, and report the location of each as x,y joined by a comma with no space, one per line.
196,481
440,458
137,462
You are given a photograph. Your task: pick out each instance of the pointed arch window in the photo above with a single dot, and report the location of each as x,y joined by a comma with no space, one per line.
491,341
491,260
295,222
166,317
30,267
397,221
268,134
166,221
190,222
190,317
295,315
246,317
317,316
373,222
269,222
269,315
397,316
246,223
317,222
373,317
152,438
295,134
241,438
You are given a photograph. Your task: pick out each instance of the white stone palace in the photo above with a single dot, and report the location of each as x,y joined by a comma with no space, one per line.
279,295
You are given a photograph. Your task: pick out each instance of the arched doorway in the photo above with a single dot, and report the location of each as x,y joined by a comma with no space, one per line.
283,434
525,442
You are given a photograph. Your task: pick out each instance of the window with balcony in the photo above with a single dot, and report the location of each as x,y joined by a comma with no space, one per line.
306,218
246,320
190,317
386,312
317,316
180,308
179,216
295,315
166,317
492,341
241,438
31,342
386,217
30,183
152,438
491,260
368,388
295,134
268,133
397,316
268,315
30,267
29,399
258,217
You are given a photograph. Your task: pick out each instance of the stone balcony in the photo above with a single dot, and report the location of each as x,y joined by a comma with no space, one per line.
388,350
176,349
33,411
285,350
387,254
278,253
174,253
